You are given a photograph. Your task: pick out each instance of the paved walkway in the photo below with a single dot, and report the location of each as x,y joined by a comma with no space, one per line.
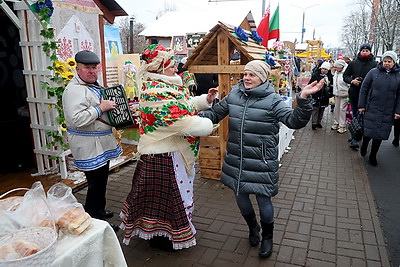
325,213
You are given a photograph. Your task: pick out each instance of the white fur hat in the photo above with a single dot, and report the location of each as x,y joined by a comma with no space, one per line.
390,54
326,65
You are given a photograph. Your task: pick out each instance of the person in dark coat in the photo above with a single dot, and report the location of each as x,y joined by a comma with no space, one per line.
251,162
354,75
321,98
205,81
379,101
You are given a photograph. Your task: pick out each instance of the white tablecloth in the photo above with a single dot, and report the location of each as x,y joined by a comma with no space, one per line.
97,246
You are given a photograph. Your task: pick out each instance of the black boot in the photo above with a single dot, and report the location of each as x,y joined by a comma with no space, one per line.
374,150
395,142
364,146
162,242
266,242
254,228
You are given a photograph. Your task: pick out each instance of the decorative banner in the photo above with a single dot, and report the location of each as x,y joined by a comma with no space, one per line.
84,3
179,45
73,38
113,48
286,67
193,39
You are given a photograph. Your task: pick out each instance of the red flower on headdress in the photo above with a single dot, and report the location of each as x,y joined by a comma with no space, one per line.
161,48
148,55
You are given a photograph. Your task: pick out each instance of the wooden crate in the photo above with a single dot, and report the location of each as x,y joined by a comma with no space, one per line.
210,157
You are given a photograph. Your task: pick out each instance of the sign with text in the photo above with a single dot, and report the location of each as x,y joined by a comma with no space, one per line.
193,39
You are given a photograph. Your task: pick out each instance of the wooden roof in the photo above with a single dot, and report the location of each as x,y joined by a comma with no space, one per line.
110,9
206,58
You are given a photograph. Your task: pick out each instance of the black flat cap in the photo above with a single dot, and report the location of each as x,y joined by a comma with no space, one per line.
87,57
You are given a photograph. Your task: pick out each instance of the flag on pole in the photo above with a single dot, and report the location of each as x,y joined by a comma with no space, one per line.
274,25
263,28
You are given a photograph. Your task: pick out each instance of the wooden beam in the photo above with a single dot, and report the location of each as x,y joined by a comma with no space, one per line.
10,14
224,82
204,50
224,69
108,15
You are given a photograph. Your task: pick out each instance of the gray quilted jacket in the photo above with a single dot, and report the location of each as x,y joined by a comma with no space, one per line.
251,160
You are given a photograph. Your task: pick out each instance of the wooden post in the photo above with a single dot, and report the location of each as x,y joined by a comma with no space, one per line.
223,87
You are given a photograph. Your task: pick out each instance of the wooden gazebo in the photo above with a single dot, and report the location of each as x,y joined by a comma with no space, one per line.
213,55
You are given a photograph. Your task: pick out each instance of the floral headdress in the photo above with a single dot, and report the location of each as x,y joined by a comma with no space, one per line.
157,58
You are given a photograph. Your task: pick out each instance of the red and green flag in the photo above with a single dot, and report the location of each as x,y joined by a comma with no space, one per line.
263,27
269,29
274,25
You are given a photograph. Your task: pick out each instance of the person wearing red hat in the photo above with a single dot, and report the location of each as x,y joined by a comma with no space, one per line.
159,206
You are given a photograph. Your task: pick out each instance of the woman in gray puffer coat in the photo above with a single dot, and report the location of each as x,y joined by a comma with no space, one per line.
379,101
251,162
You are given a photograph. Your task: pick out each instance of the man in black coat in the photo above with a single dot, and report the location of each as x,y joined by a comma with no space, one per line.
354,75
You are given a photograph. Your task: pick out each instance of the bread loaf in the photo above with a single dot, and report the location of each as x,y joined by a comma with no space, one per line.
74,221
8,252
18,249
82,227
10,203
25,248
77,221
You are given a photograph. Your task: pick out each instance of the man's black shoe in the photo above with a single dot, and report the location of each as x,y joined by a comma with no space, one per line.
103,215
319,125
108,214
114,227
314,126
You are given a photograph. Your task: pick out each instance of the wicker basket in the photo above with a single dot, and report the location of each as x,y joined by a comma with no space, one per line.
44,237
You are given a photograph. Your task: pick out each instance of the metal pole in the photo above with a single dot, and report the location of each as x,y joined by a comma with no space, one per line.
302,27
263,8
131,20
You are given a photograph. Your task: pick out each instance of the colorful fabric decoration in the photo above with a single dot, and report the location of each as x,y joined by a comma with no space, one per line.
269,59
157,58
129,80
278,45
256,37
45,5
188,78
241,34
162,105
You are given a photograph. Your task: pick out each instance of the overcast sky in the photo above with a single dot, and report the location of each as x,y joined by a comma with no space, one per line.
325,16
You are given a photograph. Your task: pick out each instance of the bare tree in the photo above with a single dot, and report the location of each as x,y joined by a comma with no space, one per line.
356,30
386,13
138,42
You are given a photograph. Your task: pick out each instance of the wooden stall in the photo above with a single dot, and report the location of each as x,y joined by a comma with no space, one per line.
213,55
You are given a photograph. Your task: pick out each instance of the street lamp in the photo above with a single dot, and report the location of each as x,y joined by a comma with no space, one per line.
314,26
131,26
304,16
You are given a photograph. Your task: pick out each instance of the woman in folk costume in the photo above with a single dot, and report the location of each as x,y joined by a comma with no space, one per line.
160,204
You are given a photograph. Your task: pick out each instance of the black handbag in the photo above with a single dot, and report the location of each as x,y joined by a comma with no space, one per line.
356,127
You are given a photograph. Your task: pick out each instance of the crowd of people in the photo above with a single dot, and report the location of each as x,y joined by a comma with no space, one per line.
373,91
159,207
